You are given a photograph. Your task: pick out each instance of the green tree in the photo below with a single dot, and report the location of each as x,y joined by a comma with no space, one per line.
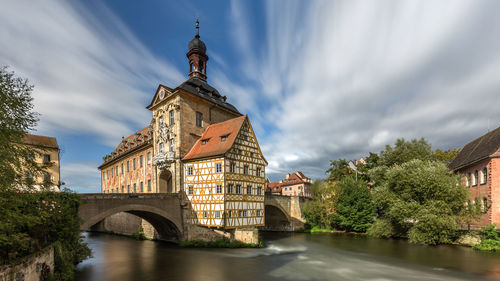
354,210
16,118
338,169
318,212
446,156
420,200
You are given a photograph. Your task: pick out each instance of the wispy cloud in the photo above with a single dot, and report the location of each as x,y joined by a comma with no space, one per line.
347,77
90,72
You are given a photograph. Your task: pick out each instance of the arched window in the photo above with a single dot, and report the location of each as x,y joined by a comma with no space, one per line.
484,178
467,180
475,177
485,204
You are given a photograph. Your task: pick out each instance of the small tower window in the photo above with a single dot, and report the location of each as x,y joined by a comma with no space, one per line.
199,119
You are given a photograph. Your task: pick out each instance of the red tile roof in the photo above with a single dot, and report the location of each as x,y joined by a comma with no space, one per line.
213,144
136,140
40,141
295,178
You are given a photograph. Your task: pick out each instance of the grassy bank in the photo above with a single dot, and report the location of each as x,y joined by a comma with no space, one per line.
221,243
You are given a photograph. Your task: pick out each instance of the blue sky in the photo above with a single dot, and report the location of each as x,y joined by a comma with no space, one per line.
320,80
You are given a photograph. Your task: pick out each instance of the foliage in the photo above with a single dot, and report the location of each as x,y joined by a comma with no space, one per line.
490,239
317,229
139,235
353,205
446,156
318,212
16,118
420,200
338,169
221,243
32,221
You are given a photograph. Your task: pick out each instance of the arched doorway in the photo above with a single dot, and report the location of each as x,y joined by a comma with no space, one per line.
165,182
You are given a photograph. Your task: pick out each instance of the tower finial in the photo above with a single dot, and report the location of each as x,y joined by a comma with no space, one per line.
197,28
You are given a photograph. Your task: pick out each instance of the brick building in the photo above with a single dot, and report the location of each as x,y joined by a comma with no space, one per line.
296,184
479,165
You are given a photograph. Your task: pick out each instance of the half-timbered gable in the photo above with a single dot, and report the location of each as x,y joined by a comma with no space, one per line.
225,176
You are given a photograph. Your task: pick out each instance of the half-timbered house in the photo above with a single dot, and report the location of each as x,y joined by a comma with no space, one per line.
225,176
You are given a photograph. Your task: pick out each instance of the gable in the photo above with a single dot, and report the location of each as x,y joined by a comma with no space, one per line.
478,149
250,140
161,94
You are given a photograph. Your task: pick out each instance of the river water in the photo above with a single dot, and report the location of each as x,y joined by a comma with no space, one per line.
297,256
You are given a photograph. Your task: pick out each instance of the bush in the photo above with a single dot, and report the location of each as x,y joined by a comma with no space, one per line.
32,221
353,205
490,239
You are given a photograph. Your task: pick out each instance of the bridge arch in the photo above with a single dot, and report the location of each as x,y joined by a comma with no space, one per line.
167,225
276,218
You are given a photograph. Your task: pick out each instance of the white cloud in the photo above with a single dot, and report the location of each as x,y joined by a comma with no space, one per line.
81,177
89,71
347,77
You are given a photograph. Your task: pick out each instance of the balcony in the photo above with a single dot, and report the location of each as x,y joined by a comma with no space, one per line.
163,159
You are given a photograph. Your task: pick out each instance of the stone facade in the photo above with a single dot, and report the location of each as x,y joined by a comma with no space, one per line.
46,154
31,268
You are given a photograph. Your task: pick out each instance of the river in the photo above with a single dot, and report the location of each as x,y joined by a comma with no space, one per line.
296,256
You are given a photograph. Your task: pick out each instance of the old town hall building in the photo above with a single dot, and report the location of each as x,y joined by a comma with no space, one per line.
198,144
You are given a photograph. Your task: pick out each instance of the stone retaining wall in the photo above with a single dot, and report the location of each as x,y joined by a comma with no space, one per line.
30,268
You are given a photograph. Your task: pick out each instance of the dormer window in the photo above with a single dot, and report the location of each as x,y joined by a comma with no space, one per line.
223,138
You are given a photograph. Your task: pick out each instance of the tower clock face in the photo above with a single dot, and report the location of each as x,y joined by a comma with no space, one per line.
162,94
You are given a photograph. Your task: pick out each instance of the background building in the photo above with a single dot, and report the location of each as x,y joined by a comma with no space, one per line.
296,184
479,165
47,155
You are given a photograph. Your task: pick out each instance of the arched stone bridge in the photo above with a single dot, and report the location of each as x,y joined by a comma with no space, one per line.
169,214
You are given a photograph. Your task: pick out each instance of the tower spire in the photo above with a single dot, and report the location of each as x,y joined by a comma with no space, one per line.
197,56
197,28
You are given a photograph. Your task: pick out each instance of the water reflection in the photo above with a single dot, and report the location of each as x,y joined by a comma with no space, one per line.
287,257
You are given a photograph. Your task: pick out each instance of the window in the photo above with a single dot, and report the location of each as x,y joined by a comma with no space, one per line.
160,120
123,189
172,146
223,138
218,167
219,189
204,141
217,214
245,169
190,189
258,213
230,188
190,171
251,154
149,185
106,175
205,214
245,137
228,214
475,177
116,168
135,188
149,157
258,172
249,189
485,205
161,147
259,190
46,177
467,179
240,214
141,161
122,168
171,115
142,186
484,178
300,187
232,167
238,189
244,213
46,158
128,188
112,172
128,166
199,119
133,163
